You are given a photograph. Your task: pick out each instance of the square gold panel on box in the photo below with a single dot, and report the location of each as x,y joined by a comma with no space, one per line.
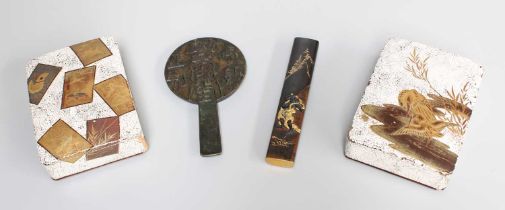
78,87
116,94
91,51
64,143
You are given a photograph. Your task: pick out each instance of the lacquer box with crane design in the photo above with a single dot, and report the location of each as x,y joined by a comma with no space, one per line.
415,111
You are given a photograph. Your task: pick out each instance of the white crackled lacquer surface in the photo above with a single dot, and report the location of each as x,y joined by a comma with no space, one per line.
48,111
446,70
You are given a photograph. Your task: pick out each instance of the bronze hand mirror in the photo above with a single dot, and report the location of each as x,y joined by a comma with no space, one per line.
206,71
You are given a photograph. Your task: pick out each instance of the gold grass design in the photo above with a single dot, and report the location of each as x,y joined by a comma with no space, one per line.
455,104
99,138
458,114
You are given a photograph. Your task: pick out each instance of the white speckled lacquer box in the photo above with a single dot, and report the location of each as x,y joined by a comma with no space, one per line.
82,108
413,116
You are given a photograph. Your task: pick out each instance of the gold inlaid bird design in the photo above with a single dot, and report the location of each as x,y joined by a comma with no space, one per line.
39,81
423,120
36,85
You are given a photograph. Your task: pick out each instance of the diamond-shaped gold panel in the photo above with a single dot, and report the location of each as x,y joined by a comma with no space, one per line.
116,94
64,143
91,51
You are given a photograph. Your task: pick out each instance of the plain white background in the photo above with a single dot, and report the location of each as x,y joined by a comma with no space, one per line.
172,175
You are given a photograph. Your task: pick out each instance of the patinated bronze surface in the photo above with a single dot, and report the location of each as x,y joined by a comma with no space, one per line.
292,105
205,71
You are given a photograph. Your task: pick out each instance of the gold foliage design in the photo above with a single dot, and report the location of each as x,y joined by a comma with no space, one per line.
99,137
104,135
451,109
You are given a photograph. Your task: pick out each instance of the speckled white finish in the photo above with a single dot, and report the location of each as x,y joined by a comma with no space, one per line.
389,78
48,111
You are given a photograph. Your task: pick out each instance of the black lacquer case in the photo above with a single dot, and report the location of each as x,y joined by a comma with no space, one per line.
291,109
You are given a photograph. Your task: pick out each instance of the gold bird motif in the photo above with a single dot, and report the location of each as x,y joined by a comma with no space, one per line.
423,121
36,85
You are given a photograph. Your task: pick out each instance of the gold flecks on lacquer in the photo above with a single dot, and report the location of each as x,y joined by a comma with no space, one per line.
91,51
78,87
116,93
64,143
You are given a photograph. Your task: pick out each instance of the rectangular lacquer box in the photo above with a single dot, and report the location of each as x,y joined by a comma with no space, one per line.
82,107
415,111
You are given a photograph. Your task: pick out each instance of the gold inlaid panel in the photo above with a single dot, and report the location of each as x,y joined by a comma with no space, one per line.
78,87
64,143
104,135
40,80
91,51
116,94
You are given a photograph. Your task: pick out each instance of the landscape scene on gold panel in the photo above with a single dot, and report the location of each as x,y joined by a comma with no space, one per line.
414,125
78,87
